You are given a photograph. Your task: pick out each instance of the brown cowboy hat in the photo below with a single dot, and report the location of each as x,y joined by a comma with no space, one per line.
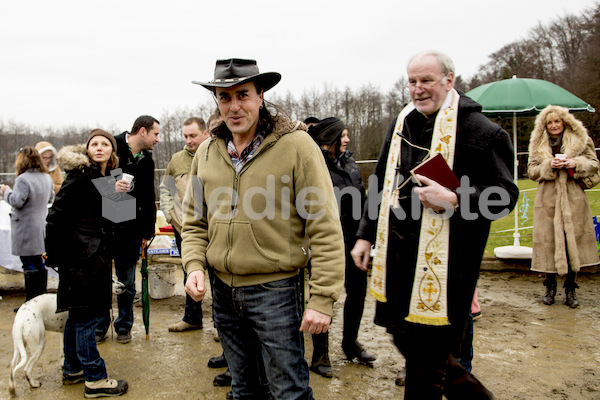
237,71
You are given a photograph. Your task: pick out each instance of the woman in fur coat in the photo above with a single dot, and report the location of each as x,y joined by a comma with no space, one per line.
561,154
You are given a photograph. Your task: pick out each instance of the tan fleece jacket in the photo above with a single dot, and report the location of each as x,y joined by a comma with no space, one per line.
283,213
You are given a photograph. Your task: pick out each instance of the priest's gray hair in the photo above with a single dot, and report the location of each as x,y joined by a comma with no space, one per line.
446,63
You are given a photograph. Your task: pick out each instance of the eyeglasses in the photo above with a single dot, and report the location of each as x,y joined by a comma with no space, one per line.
425,84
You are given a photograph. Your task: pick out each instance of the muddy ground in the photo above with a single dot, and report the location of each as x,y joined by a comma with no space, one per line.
523,349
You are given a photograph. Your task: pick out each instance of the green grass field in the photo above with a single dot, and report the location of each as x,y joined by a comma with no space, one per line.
498,237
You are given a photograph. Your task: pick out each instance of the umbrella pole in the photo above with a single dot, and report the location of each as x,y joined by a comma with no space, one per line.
145,297
516,235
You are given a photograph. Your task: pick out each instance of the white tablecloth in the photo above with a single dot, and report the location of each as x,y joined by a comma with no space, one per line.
7,260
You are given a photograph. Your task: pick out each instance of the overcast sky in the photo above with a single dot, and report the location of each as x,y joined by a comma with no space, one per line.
102,64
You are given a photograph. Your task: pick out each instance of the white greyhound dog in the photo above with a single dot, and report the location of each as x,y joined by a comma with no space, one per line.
33,319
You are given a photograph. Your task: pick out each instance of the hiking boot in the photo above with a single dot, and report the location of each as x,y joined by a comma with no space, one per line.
105,388
124,337
72,379
183,326
100,339
550,294
571,298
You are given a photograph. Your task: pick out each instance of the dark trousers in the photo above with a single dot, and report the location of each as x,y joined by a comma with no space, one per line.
126,251
466,346
431,371
355,282
193,309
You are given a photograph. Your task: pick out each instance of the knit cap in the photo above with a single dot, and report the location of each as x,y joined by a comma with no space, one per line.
100,132
327,131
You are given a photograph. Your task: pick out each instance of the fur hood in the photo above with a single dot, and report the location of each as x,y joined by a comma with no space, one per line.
42,147
575,135
73,157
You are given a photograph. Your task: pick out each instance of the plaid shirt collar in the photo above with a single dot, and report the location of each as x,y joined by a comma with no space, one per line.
239,160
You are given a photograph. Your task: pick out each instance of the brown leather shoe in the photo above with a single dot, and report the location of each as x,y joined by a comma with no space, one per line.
182,326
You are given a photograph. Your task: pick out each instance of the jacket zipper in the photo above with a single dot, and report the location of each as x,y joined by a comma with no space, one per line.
236,184
230,223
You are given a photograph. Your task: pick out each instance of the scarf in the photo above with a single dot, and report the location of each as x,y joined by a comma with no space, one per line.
428,303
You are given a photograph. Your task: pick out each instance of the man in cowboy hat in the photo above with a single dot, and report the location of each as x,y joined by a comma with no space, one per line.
429,240
259,205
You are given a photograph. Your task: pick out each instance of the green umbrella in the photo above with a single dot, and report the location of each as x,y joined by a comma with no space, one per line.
145,295
522,97
525,97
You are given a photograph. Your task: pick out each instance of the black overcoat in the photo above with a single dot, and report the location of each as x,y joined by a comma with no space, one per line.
484,154
78,242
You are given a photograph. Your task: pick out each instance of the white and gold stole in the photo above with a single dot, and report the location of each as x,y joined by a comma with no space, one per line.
428,303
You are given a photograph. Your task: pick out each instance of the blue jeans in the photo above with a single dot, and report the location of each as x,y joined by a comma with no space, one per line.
259,328
81,352
32,263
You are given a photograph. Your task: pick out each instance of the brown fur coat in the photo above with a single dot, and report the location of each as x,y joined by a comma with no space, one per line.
563,225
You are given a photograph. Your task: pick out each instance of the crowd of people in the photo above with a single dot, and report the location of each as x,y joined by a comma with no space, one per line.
256,199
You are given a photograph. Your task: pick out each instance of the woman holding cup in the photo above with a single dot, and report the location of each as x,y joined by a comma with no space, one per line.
561,154
79,243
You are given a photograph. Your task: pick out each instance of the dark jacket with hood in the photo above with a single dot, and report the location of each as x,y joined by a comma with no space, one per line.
142,168
484,154
349,191
77,236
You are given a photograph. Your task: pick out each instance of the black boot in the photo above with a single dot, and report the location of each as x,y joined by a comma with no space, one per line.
548,298
320,360
571,298
356,350
35,283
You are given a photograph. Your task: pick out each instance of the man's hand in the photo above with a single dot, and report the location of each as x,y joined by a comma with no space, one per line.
361,253
312,321
435,196
144,243
194,285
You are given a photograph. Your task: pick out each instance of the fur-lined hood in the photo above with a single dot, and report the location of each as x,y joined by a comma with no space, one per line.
42,147
73,157
575,135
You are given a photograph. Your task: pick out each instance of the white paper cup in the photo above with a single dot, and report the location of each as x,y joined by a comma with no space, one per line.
560,156
127,177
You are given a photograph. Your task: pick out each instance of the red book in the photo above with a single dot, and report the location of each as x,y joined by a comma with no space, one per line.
437,169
